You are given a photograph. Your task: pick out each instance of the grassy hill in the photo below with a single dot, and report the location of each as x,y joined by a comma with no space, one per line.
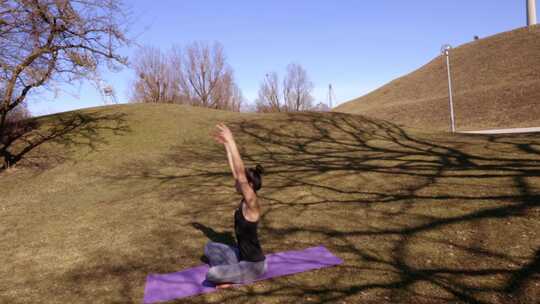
111,194
496,85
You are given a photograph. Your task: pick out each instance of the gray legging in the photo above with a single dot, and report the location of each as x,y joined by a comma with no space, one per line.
225,266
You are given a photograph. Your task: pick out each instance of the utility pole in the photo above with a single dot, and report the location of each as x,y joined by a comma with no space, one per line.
531,12
445,50
330,96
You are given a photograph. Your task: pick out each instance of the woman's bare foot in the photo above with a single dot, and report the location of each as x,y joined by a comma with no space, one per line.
223,286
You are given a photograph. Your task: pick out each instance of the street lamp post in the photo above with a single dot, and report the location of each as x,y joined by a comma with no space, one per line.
445,50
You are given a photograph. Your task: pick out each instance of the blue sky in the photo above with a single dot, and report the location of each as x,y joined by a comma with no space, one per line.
357,46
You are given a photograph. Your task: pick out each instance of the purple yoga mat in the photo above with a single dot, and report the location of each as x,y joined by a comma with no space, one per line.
166,287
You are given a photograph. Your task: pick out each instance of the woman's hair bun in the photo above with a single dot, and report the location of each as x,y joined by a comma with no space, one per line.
259,169
254,176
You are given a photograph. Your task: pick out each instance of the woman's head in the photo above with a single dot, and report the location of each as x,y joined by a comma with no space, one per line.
254,177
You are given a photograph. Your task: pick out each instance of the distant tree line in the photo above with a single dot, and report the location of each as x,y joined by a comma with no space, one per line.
197,75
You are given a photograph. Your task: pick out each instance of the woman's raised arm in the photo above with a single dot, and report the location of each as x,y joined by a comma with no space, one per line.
225,136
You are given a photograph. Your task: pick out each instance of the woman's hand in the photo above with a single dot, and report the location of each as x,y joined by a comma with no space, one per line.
218,138
223,134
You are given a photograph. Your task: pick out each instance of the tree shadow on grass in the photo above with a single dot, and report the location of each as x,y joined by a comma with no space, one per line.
388,150
417,218
23,142
215,236
519,278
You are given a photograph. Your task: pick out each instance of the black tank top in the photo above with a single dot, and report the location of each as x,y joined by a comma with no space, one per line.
246,236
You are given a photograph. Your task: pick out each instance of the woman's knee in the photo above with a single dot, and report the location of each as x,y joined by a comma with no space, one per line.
211,275
214,275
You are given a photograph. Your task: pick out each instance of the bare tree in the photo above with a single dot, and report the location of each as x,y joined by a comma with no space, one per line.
297,89
198,75
269,99
236,99
294,95
159,77
207,76
154,83
42,41
178,91
227,95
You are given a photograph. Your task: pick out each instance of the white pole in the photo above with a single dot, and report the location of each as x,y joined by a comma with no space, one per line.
531,12
330,100
446,51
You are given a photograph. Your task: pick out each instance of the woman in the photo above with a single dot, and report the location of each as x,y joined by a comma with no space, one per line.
246,262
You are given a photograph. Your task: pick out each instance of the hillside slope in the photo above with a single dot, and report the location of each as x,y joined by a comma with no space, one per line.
109,195
496,85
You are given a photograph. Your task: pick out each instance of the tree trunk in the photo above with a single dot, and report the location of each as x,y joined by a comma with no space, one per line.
3,116
6,159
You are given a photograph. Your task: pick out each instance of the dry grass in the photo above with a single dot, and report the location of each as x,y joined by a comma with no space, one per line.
496,84
131,190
